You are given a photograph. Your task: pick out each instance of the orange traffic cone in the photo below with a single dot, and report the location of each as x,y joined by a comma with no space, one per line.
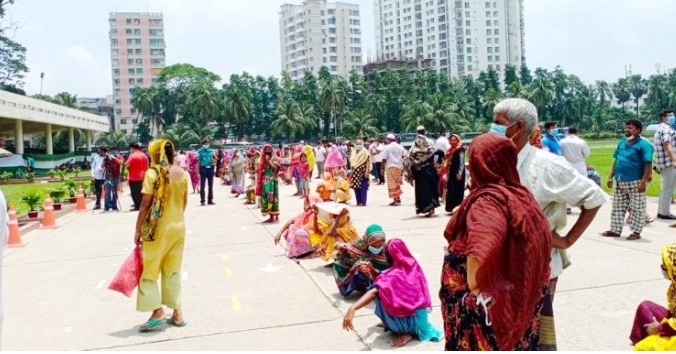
81,205
48,221
13,225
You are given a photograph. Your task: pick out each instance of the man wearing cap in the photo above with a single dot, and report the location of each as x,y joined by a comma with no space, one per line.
206,157
421,131
393,167
137,164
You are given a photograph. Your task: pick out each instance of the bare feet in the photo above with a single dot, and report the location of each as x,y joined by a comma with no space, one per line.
270,220
430,213
401,339
380,325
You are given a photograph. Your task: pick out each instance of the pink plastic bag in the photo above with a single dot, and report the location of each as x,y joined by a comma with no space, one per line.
128,276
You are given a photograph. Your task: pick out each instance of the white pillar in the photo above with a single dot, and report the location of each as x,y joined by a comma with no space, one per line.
71,140
89,140
18,136
48,139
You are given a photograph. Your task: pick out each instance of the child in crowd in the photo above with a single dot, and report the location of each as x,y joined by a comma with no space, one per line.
303,175
593,175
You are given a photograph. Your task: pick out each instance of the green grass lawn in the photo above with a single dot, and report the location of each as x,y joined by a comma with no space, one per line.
14,192
602,159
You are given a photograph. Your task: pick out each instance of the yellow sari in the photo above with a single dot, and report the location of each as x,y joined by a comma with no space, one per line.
344,232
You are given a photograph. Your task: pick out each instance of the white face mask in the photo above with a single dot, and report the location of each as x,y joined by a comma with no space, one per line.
206,146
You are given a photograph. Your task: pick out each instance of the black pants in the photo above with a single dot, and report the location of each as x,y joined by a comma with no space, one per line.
135,188
207,173
98,185
378,173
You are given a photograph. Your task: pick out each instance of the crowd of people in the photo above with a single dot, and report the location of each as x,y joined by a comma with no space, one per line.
498,279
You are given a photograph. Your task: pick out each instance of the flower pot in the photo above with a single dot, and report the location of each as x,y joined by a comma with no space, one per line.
72,200
57,206
33,214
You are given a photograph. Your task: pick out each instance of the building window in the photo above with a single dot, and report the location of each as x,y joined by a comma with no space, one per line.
497,58
489,49
495,22
139,71
468,32
489,32
469,68
495,14
123,121
128,21
497,49
128,31
490,66
488,5
469,50
138,52
489,40
469,58
130,61
490,58
496,32
130,71
137,41
139,81
130,51
468,23
137,31
488,22
139,61
488,14
129,41
467,5
469,40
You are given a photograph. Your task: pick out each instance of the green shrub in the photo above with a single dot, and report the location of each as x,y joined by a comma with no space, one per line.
32,199
6,175
71,187
30,176
57,194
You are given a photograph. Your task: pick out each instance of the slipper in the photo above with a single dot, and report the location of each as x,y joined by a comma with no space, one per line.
183,323
151,325
634,236
609,234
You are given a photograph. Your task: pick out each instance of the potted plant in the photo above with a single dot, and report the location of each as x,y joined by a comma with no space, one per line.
71,187
5,176
91,187
62,174
52,173
32,199
30,176
57,194
77,170
88,188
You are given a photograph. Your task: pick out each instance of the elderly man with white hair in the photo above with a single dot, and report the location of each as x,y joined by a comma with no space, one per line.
554,183
393,166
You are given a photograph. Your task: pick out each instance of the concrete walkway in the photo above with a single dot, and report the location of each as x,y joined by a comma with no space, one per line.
240,292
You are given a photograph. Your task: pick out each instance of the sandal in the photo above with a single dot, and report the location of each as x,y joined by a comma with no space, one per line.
634,236
171,321
609,234
152,325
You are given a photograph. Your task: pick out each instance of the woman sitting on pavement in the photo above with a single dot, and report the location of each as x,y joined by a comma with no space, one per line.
335,166
297,230
402,298
331,224
368,253
655,326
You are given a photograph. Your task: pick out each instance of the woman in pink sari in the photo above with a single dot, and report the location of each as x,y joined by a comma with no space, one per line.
194,171
402,298
297,230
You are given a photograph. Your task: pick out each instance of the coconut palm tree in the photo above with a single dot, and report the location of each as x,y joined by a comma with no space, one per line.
604,92
142,101
204,102
375,105
637,87
114,139
289,122
66,99
332,100
360,124
541,92
416,113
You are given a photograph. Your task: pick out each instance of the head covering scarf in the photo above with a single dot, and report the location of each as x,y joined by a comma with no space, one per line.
515,271
238,162
345,266
419,153
334,159
536,138
669,260
402,289
160,164
192,160
310,154
359,157
454,147
261,168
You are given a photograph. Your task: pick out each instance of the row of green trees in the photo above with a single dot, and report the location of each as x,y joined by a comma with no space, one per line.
187,105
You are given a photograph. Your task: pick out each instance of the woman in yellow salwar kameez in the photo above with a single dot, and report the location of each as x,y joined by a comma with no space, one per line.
160,229
331,224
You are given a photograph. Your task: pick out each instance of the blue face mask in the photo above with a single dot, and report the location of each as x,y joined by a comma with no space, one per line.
375,250
498,129
590,173
555,131
671,120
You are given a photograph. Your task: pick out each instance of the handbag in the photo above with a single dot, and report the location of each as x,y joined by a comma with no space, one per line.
127,278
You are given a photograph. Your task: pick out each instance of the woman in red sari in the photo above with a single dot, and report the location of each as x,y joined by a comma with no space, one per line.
495,271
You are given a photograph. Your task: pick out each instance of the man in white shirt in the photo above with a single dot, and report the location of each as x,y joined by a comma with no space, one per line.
320,151
393,162
380,148
98,174
575,151
442,142
554,183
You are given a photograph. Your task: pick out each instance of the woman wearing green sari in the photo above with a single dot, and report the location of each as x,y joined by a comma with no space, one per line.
267,184
360,261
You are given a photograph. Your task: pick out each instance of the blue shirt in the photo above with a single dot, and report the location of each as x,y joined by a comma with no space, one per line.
551,144
630,159
205,156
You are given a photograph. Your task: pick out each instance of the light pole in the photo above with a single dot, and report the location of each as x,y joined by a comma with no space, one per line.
42,77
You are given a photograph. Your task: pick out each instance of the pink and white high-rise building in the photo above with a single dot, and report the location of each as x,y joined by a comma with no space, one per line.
137,51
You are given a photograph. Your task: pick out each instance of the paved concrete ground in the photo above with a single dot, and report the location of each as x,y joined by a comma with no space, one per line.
241,293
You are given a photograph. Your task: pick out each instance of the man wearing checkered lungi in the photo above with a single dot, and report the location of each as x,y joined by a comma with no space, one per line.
632,171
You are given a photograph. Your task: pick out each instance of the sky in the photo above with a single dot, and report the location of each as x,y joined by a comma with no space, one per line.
68,39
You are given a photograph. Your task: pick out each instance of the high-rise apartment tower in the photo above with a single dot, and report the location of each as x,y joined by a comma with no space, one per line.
137,51
320,33
463,37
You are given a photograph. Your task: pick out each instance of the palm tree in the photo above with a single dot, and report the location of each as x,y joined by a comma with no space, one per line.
637,88
288,121
142,101
114,139
442,114
360,124
604,92
66,99
541,92
238,103
621,91
204,102
416,113
490,99
375,106
514,90
331,100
